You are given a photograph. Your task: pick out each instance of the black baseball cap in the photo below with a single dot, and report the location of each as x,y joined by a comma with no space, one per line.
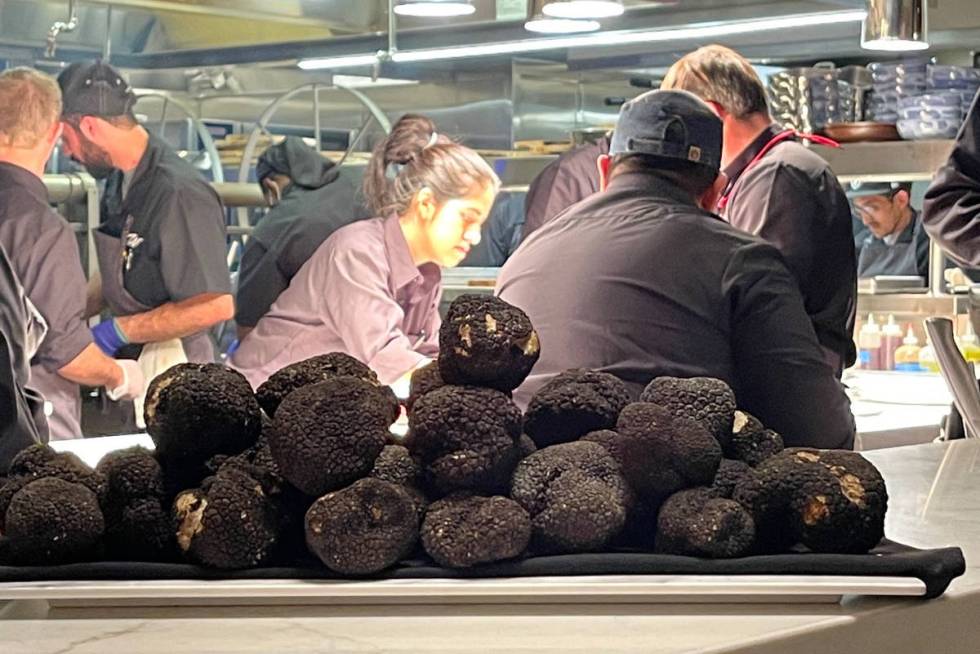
94,88
868,189
674,125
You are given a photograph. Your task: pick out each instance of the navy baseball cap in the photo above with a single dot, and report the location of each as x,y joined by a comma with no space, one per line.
95,89
674,125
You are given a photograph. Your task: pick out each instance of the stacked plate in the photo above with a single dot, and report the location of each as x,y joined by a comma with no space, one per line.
808,99
892,82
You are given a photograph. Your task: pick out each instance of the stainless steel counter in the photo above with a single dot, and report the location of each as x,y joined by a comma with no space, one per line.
935,501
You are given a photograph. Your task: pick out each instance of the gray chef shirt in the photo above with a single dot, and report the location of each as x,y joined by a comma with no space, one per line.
44,254
638,282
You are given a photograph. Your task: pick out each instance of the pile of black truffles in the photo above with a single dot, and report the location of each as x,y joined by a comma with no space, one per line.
306,472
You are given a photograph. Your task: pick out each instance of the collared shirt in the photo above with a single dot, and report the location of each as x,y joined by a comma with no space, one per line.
905,253
44,254
285,239
951,209
359,293
638,282
569,179
792,199
178,233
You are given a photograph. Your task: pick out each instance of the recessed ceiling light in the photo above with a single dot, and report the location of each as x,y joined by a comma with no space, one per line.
434,8
583,8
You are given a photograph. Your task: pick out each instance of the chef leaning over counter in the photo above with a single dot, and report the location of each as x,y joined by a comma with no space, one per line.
642,280
781,191
372,289
45,256
310,200
161,240
22,422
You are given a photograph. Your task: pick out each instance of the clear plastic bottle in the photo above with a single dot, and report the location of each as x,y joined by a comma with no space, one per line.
891,340
907,356
869,345
969,347
927,357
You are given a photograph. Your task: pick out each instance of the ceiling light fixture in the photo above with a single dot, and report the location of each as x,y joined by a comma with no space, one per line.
600,39
434,8
538,21
583,8
895,26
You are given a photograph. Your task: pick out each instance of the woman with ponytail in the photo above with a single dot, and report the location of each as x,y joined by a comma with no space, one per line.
372,289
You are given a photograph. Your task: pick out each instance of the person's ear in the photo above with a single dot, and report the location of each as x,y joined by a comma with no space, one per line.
603,163
717,108
425,204
91,127
709,199
53,135
901,198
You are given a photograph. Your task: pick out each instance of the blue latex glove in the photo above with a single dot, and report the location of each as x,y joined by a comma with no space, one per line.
109,337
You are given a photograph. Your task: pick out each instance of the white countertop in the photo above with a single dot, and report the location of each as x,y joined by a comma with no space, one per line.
935,501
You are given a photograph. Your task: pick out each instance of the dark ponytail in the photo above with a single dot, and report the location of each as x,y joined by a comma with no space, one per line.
409,136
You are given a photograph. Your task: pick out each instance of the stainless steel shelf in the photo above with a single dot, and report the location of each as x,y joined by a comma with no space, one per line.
910,161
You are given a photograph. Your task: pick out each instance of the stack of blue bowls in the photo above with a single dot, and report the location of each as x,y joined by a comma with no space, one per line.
938,112
893,82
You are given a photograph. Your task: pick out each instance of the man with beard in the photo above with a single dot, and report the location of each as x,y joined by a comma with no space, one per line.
161,240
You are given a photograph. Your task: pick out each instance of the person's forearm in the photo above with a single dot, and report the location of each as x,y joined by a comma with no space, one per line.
178,319
94,300
93,368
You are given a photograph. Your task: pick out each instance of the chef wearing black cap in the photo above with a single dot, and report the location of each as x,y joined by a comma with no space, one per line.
161,240
310,201
896,243
641,280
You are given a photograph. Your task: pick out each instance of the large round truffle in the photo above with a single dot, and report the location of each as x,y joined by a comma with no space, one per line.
313,371
363,528
751,442
41,461
695,523
704,399
466,530
467,438
328,435
485,341
51,521
194,411
573,404
831,501
575,495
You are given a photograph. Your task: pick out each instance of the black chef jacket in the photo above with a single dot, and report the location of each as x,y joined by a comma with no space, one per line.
951,209
572,177
178,231
908,255
792,199
44,253
638,282
22,421
287,236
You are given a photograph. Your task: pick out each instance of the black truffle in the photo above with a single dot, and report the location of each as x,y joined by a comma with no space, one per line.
751,442
228,523
364,528
704,399
423,380
575,495
573,404
328,435
485,341
194,411
467,438
50,521
695,523
41,461
831,501
464,530
313,371
136,509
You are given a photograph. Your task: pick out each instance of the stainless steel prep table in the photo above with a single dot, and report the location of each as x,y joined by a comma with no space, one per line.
935,501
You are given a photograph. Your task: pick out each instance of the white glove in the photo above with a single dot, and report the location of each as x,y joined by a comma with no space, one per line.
133,383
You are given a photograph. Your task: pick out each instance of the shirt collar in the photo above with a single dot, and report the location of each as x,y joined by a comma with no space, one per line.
14,175
403,269
738,165
650,184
